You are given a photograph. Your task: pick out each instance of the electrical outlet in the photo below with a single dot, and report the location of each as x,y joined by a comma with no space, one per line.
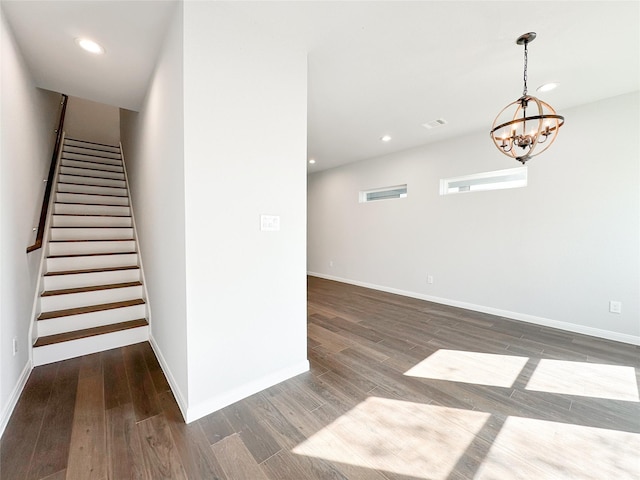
15,346
331,263
429,279
615,307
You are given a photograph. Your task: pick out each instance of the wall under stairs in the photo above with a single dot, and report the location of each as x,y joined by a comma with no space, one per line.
92,297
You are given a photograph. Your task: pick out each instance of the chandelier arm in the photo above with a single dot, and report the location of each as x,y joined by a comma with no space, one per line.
533,117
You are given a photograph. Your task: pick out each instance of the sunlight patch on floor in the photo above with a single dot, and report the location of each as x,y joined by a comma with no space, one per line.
470,367
527,448
422,441
614,382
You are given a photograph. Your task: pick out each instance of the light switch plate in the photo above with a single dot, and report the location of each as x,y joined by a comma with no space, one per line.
270,223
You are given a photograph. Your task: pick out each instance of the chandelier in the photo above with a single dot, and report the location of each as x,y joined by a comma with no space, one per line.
528,126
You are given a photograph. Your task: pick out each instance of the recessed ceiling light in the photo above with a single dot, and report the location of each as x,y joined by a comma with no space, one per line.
90,46
385,138
547,87
312,161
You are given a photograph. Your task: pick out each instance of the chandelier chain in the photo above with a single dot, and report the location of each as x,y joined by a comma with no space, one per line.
524,92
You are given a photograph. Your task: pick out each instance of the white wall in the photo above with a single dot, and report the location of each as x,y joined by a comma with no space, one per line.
245,155
153,143
28,117
92,121
555,252
221,139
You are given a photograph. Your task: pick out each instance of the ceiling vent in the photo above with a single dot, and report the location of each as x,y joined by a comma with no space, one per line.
434,124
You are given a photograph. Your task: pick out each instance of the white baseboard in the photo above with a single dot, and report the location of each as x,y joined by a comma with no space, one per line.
177,393
15,395
523,317
244,391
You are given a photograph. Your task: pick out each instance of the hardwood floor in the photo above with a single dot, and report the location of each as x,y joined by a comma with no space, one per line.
399,389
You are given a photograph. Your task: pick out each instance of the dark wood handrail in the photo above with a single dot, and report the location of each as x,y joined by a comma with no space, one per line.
52,171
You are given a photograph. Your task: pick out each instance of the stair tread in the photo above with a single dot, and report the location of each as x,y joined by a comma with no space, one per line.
89,309
95,240
89,215
91,270
92,143
69,255
98,151
90,167
94,158
94,288
85,176
89,332
94,204
91,184
89,226
95,194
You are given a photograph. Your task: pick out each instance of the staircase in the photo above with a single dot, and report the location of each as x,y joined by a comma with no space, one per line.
92,297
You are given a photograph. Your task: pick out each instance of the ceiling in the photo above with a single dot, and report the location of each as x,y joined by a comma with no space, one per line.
375,68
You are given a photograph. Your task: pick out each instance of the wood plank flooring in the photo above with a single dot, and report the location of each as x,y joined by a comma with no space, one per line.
399,389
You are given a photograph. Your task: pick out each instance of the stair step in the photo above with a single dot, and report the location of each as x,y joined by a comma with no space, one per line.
97,160
84,262
90,151
96,181
88,345
87,296
89,316
90,172
84,254
74,279
90,165
84,198
68,291
85,220
91,189
91,209
89,332
89,309
90,233
91,270
78,247
73,142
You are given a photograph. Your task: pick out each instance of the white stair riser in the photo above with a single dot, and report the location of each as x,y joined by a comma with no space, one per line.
95,159
76,280
89,345
71,209
75,248
66,162
91,173
99,261
95,163
90,151
71,323
92,181
85,299
91,146
90,221
94,189
82,198
97,233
